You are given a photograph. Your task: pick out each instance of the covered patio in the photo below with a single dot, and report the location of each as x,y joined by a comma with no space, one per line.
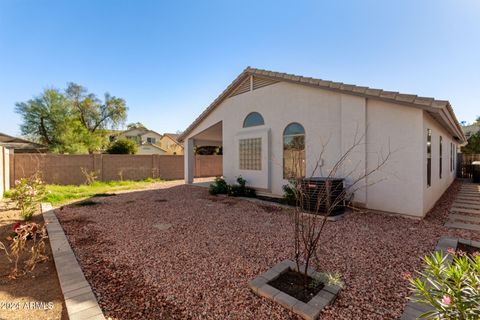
212,136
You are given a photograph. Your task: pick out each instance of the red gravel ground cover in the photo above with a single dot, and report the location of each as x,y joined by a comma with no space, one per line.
199,267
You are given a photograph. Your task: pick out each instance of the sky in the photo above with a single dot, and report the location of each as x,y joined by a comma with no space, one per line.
170,59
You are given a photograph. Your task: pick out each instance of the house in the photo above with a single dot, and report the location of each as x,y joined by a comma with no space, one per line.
147,140
19,145
263,119
170,143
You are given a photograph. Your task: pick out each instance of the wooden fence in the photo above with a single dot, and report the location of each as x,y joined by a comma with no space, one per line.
71,169
464,164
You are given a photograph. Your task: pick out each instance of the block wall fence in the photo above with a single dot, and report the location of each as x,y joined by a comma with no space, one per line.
68,169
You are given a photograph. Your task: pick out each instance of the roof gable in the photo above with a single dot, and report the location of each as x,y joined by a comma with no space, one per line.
246,80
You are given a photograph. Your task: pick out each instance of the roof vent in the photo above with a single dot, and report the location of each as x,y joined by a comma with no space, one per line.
262,82
242,87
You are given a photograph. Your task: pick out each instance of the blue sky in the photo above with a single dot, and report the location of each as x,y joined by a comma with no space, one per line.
169,60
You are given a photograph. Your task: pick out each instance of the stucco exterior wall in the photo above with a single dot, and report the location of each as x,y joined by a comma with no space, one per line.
438,185
397,187
332,121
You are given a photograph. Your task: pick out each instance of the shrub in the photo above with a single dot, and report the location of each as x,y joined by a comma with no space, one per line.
29,237
290,193
240,190
122,146
27,194
218,187
236,190
452,288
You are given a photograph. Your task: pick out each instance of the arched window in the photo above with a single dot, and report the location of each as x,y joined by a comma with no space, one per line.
253,119
293,151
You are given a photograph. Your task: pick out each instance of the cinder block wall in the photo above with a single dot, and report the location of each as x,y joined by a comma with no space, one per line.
67,169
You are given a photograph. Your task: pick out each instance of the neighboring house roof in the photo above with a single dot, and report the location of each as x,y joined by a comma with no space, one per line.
20,144
173,137
434,107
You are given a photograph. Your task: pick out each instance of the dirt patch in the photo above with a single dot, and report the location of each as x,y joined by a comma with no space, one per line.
41,285
296,285
468,249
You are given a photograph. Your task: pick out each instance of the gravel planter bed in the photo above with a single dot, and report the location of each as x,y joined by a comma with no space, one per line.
199,267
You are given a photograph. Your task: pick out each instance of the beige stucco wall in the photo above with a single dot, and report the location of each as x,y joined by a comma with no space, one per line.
438,186
4,170
170,146
332,120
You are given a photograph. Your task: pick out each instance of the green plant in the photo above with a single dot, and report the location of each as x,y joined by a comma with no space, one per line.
218,187
240,189
27,194
451,287
290,193
122,146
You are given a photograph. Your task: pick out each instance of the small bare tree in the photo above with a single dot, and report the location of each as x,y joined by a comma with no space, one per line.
308,228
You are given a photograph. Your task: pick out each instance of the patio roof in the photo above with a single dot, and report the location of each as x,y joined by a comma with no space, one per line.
440,110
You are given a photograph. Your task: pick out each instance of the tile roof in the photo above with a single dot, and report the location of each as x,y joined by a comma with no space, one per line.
426,103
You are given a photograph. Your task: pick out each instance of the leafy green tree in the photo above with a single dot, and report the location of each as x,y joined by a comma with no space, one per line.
135,125
72,122
473,145
122,146
46,117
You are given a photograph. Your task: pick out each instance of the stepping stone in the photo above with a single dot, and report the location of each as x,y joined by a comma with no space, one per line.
464,202
460,210
459,225
468,197
468,194
465,205
457,216
162,226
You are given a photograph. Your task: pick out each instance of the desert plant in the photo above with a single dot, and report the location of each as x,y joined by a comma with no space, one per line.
219,186
27,194
122,146
451,287
26,237
90,176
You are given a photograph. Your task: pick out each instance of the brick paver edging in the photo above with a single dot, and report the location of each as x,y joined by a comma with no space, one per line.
79,299
308,311
413,310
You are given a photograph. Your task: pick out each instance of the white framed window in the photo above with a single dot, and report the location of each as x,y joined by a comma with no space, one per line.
429,157
293,151
151,140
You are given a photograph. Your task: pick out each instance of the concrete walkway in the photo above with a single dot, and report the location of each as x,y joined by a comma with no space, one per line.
465,211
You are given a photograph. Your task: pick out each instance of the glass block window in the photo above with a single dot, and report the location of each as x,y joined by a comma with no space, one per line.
250,154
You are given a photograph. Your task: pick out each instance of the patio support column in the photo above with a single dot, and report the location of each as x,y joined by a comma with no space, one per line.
189,159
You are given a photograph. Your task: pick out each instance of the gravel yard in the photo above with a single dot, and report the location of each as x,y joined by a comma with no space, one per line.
176,252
